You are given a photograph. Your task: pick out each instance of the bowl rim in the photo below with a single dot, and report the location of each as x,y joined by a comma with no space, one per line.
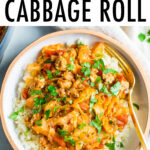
74,31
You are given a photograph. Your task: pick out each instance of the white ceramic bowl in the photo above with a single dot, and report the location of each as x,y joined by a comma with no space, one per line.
29,54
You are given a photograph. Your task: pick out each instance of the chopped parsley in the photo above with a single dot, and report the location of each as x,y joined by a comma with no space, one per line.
35,92
148,40
109,71
111,122
98,55
98,140
49,74
99,64
121,145
86,69
92,101
56,73
52,90
27,131
115,88
64,98
98,79
15,114
39,122
101,114
35,111
71,140
55,108
100,86
62,132
148,32
47,112
136,106
71,66
81,126
39,101
41,77
86,64
79,44
142,37
82,79
70,102
97,124
47,61
104,90
111,146
92,84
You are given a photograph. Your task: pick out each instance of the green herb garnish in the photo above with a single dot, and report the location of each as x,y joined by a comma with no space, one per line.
41,77
47,61
111,146
98,79
82,79
56,73
115,88
35,111
64,98
79,44
39,101
47,112
70,139
71,66
99,64
81,126
101,114
27,131
104,90
49,74
70,102
97,124
92,101
148,32
100,86
52,90
142,37
109,71
39,122
148,40
55,108
15,114
35,92
86,69
62,132
98,140
111,122
92,84
136,106
121,145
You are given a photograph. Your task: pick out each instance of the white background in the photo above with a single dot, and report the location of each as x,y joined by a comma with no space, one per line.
94,14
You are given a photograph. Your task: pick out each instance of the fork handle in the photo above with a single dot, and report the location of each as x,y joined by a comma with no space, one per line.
137,126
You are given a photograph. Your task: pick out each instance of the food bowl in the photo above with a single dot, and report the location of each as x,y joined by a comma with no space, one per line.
29,54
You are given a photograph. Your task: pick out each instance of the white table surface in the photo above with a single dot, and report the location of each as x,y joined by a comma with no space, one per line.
22,36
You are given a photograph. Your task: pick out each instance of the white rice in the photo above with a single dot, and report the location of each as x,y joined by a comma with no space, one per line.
31,142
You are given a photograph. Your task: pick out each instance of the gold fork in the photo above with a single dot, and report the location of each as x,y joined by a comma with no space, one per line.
130,77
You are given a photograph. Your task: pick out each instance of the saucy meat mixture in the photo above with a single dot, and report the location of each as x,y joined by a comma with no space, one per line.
77,102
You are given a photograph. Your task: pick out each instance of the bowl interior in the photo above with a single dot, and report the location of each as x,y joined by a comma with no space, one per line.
140,95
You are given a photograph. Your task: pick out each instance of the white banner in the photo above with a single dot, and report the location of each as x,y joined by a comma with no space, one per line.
75,12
